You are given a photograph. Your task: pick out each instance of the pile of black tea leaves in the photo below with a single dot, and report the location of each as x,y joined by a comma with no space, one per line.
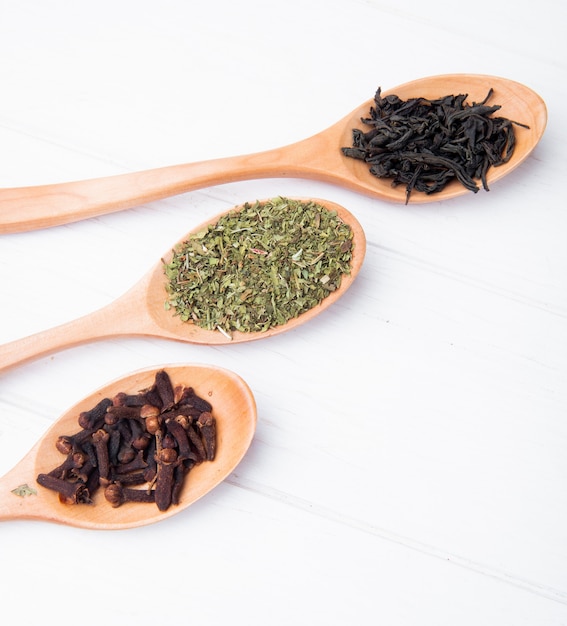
425,144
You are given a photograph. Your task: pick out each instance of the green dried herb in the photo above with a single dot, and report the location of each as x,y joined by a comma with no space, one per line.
259,266
24,490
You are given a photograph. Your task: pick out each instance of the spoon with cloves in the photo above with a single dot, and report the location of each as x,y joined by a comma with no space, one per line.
141,311
317,158
234,411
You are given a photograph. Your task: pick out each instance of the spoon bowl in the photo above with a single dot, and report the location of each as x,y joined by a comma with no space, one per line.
141,312
316,158
234,408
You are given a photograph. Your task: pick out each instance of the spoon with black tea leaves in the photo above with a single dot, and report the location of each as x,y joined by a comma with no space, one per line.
141,311
234,409
317,158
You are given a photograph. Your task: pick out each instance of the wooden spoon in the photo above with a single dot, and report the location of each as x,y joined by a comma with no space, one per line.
140,311
234,408
317,158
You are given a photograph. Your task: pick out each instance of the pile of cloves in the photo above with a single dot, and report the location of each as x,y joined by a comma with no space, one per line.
137,447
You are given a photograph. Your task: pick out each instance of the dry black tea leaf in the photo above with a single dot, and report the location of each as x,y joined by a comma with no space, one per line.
424,144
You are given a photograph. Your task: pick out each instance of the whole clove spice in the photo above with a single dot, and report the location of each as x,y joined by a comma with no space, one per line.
73,461
94,418
100,442
165,390
69,492
425,144
136,451
206,424
167,462
179,432
117,495
259,266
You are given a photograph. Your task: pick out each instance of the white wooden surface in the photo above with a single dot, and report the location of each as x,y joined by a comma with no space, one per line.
410,462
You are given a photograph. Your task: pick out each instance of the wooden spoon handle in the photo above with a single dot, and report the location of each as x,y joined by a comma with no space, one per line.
30,208
122,317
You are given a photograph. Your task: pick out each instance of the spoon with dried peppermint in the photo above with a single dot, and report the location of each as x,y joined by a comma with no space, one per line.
252,272
319,157
234,411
